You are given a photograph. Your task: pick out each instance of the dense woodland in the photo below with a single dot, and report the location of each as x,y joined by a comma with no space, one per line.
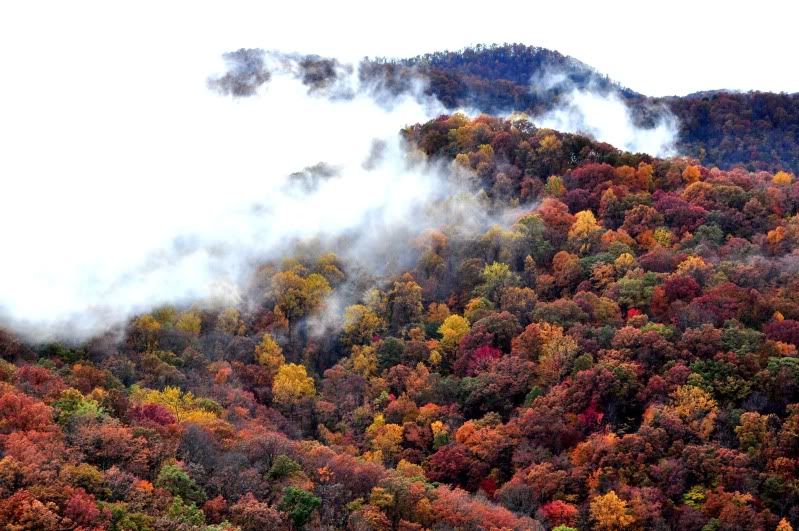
759,131
621,355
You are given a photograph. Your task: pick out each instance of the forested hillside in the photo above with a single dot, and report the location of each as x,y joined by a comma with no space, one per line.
759,131
504,78
618,352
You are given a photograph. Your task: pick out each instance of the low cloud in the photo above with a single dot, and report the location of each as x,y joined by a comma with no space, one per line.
603,114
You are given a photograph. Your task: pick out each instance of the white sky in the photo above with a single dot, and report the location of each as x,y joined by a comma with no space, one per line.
655,47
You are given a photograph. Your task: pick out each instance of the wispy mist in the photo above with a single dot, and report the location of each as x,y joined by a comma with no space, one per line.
604,115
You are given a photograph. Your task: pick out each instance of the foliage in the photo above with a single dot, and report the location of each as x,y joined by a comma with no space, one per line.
299,505
610,512
292,383
178,483
269,354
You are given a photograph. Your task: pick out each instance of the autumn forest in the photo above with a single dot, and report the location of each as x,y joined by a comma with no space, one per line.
617,350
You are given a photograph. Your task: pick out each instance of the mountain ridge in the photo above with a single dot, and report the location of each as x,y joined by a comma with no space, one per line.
756,130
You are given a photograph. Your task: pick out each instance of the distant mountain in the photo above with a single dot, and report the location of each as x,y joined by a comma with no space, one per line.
496,79
720,128
758,130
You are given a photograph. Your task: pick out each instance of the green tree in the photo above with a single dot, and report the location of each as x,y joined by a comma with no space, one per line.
175,480
187,514
283,466
299,504
389,353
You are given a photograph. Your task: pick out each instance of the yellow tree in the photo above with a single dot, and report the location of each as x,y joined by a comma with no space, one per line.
556,359
753,432
584,225
609,512
364,360
663,237
782,178
376,300
410,470
496,277
585,231
386,438
404,304
549,144
437,312
477,308
329,266
165,315
299,296
269,354
555,186
696,267
623,262
292,384
189,322
696,408
184,406
147,327
452,331
691,174
361,323
229,322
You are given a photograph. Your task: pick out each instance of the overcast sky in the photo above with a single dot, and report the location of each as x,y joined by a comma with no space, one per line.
655,47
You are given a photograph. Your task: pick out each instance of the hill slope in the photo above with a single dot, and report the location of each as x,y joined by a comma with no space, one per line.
622,349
